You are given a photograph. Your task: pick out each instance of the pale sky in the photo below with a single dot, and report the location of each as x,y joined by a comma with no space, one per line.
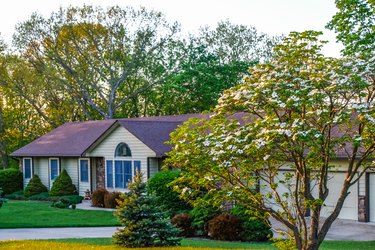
274,17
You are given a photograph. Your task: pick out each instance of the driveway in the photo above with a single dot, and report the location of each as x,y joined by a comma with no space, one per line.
345,230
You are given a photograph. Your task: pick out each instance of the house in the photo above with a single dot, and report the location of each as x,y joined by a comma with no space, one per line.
100,154
106,154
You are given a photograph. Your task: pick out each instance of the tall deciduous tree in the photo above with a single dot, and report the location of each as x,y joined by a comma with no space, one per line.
237,43
301,112
104,57
354,25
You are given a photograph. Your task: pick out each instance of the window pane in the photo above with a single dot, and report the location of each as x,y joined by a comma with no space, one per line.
54,168
84,164
137,167
128,172
27,166
123,149
110,174
119,174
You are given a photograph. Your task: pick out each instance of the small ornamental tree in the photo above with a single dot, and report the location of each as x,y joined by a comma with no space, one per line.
63,185
145,224
280,131
35,186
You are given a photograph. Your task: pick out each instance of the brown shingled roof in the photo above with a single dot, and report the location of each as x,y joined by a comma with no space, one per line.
69,139
74,138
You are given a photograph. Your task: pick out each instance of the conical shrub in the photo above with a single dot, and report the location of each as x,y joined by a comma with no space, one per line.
63,185
35,186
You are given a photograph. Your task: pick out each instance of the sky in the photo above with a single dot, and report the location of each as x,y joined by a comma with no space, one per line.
274,17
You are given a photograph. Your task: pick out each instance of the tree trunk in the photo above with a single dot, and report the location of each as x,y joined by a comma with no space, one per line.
4,161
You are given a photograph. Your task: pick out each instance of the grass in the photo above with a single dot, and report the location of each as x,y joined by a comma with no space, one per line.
186,244
34,214
106,243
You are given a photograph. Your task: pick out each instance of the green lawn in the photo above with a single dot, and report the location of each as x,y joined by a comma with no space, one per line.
27,214
186,244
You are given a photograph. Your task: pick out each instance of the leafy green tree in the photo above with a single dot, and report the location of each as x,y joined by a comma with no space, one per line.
354,25
199,83
298,112
233,43
145,224
103,57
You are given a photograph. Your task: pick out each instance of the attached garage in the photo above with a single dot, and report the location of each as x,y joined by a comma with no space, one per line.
350,208
372,197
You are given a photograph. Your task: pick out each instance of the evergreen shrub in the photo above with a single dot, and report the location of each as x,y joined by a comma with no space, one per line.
97,197
160,185
63,185
18,195
201,214
224,227
11,180
35,186
255,225
144,223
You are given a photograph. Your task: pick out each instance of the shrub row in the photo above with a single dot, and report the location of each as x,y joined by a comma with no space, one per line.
239,224
102,198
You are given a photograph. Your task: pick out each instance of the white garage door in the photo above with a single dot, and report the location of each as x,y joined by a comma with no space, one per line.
350,208
372,197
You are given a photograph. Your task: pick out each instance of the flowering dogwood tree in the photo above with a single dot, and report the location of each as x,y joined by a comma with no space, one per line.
271,140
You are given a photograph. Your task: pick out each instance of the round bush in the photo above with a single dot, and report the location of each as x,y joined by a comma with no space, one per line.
166,197
183,221
63,185
97,198
255,226
35,186
224,227
110,199
11,180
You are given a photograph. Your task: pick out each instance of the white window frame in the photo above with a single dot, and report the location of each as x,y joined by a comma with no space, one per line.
88,170
50,170
31,167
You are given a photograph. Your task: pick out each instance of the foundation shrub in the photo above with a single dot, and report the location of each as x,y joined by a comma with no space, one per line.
110,199
63,185
224,227
34,187
97,198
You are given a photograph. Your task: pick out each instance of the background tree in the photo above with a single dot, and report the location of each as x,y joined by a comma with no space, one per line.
354,25
103,57
302,110
233,43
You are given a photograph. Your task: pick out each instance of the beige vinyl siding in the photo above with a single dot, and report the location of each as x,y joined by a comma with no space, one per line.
154,166
40,165
107,147
71,166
